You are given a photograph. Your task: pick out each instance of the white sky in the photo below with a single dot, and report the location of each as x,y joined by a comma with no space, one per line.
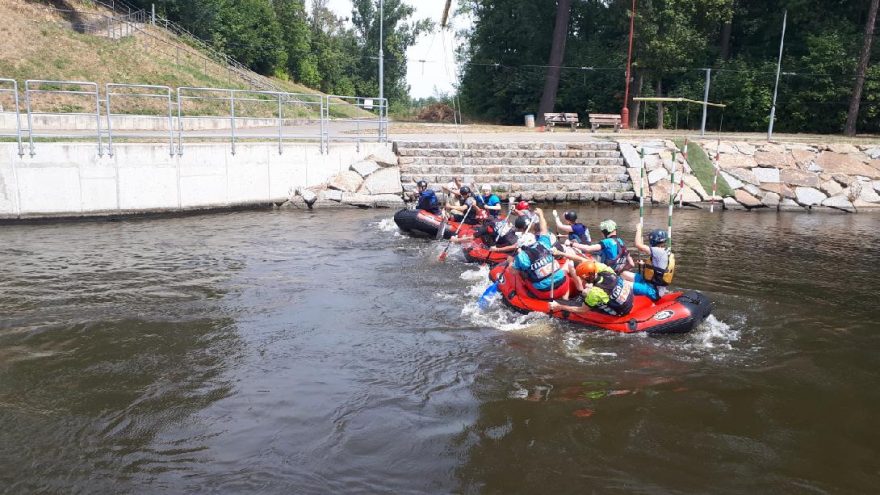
438,72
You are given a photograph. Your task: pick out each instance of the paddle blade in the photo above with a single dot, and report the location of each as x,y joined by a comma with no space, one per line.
488,296
443,255
441,230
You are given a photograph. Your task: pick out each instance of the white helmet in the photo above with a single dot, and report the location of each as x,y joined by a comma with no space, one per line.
486,188
526,239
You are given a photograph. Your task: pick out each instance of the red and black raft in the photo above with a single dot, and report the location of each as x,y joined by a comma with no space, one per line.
676,312
477,252
425,224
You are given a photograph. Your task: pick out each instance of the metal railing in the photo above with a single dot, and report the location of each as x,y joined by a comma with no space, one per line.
12,95
84,110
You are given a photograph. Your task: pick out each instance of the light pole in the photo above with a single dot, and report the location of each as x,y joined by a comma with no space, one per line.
776,87
381,54
624,113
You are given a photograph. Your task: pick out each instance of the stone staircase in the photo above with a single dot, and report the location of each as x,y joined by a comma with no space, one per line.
584,171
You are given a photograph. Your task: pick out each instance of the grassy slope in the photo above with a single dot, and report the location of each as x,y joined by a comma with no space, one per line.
703,168
39,43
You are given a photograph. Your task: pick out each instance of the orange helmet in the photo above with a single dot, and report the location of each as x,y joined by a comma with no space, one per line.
587,270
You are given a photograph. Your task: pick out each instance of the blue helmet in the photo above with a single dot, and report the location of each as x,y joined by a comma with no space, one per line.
657,237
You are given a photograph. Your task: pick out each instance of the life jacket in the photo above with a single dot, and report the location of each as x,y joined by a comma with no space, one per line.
658,276
580,239
428,202
620,294
471,218
618,263
541,262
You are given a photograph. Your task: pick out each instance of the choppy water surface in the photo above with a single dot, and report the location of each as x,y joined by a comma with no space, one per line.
323,352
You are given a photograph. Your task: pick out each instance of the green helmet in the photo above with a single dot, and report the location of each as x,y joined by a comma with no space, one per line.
608,226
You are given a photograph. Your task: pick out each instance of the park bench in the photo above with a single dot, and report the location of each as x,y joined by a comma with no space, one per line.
597,119
552,119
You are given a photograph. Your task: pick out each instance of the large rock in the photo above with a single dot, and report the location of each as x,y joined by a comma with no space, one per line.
774,159
831,187
877,185
803,158
747,199
780,189
309,196
770,199
744,175
652,162
842,148
365,167
752,189
840,163
688,195
384,181
746,149
773,148
388,201
358,199
765,175
696,186
384,157
347,181
732,204
657,175
868,193
807,196
840,202
727,162
726,148
331,195
732,181
799,178
630,155
789,204
874,153
660,192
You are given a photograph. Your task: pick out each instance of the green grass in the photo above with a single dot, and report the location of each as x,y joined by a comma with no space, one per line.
703,169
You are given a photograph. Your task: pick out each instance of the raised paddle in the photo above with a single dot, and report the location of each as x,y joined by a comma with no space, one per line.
442,228
445,252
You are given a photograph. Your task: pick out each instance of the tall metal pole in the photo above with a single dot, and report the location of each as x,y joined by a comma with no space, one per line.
778,69
624,112
153,11
381,54
705,102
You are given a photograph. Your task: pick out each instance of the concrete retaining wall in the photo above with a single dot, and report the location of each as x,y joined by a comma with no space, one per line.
69,179
63,122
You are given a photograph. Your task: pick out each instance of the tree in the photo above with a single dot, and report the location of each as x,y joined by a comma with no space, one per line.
398,36
301,63
557,54
864,57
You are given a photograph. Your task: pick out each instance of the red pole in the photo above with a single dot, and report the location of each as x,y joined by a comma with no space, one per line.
624,113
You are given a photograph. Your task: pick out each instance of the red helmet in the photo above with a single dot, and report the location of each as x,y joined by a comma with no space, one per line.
522,205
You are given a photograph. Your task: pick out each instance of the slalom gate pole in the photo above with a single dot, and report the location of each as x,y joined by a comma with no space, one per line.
714,185
642,187
684,154
671,201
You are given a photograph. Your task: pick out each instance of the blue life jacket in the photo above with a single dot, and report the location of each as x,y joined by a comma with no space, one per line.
428,202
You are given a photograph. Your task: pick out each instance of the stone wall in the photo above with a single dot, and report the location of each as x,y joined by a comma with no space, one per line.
765,175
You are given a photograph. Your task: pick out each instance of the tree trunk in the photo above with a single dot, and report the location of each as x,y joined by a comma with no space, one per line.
659,103
725,39
636,105
557,53
853,113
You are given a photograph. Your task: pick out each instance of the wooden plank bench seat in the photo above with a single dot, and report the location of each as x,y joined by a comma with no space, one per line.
611,119
552,119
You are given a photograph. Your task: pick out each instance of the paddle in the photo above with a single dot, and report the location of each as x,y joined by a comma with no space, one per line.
642,187
486,299
506,221
445,252
442,228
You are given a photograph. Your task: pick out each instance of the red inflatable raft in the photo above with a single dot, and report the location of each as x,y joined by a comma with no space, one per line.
676,312
425,224
478,252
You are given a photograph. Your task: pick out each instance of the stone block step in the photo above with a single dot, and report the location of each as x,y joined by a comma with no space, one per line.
583,195
454,153
583,184
511,170
513,165
453,144
523,162
516,178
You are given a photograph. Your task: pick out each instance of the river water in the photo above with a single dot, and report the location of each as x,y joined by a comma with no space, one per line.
323,352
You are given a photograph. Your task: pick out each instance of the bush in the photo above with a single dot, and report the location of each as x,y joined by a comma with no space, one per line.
437,112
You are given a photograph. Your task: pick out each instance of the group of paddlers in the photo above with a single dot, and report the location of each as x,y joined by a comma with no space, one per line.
559,267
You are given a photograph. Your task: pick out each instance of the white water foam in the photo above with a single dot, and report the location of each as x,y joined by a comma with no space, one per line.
388,225
713,335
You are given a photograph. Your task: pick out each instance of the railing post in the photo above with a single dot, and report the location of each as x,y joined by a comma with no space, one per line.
17,118
170,125
324,99
108,92
280,125
232,115
98,120
27,102
179,126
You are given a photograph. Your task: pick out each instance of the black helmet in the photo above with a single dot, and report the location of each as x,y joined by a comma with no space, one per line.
521,223
422,184
464,190
570,215
657,237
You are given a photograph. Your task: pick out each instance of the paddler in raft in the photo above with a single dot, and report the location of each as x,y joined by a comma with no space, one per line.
535,260
612,249
492,235
427,199
467,206
577,232
654,274
489,201
603,290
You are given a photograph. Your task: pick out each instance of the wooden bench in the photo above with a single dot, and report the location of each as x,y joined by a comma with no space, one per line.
552,119
597,119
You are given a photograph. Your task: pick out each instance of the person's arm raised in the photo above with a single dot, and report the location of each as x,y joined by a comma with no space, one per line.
640,244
